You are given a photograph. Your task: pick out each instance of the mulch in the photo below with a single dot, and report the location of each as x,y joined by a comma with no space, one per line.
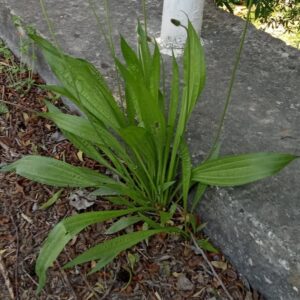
166,267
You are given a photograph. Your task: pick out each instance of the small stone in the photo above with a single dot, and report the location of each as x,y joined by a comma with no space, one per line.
184,284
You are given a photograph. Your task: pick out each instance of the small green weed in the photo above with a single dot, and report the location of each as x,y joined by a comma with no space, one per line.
19,76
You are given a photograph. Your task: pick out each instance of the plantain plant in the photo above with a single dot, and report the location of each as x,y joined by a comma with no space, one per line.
142,143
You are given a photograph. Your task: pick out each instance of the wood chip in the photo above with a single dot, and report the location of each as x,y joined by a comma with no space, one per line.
26,218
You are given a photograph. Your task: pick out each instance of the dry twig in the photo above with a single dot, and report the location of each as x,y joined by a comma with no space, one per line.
6,277
23,107
200,251
17,254
66,280
86,282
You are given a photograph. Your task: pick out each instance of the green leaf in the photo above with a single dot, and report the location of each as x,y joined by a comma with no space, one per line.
122,201
131,58
124,190
144,51
54,172
51,200
89,133
166,216
95,133
122,224
155,73
134,65
194,80
240,169
167,185
105,191
132,260
64,231
146,155
82,144
114,246
60,90
75,125
150,222
201,188
105,260
186,164
82,80
206,245
174,98
147,108
194,68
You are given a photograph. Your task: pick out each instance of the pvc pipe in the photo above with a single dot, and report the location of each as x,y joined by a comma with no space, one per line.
173,36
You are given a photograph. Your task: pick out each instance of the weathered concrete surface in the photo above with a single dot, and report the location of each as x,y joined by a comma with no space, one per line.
258,226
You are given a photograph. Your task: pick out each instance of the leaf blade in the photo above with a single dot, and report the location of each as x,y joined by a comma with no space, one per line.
54,172
241,169
64,231
122,224
51,200
118,245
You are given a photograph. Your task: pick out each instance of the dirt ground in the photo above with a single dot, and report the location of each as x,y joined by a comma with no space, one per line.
166,267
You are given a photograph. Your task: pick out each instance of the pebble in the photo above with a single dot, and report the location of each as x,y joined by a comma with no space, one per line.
184,284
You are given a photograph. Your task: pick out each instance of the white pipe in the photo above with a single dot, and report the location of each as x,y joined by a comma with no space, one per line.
171,35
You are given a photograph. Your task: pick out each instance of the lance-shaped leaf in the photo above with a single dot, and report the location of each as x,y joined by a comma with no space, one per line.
64,231
81,143
186,164
122,224
82,80
142,145
114,246
240,169
54,172
194,67
51,200
122,189
75,125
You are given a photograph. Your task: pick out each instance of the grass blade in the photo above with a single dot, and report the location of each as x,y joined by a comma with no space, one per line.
51,200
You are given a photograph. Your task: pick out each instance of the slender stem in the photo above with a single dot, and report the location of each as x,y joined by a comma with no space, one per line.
109,41
101,29
109,25
232,81
49,24
113,50
145,17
